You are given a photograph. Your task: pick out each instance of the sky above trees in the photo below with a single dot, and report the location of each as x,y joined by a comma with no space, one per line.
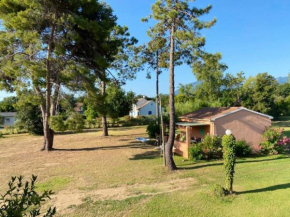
253,36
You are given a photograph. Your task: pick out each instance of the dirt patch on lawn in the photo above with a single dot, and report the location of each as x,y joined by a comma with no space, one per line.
65,198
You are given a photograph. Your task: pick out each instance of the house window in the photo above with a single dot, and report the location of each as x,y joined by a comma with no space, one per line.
7,119
149,112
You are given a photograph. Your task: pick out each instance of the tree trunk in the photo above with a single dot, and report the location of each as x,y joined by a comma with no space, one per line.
157,97
104,117
169,146
48,133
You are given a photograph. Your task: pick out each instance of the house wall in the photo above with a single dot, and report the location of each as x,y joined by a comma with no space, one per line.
144,111
200,131
244,125
9,121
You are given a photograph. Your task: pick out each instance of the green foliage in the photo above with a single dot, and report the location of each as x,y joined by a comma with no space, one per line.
8,104
22,200
153,130
2,120
75,122
273,141
242,148
195,152
212,147
57,123
29,117
1,134
219,191
229,155
259,94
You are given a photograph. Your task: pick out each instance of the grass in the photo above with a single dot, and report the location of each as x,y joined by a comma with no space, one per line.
118,176
283,122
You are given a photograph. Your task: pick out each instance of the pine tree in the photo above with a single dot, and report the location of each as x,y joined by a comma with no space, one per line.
46,45
178,23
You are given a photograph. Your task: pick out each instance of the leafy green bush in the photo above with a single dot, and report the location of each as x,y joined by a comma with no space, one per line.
153,130
29,117
57,123
242,148
211,146
22,200
127,118
219,191
274,142
75,122
195,152
1,134
229,155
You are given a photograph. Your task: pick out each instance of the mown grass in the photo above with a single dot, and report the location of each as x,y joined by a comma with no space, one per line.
86,162
55,183
283,122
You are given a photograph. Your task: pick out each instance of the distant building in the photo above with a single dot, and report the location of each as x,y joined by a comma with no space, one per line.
9,118
79,107
143,107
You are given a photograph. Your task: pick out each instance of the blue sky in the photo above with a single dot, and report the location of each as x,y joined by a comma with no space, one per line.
253,36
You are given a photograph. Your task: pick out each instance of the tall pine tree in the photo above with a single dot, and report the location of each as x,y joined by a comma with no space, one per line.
179,24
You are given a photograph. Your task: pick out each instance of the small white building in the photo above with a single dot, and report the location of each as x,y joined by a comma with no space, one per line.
143,107
9,118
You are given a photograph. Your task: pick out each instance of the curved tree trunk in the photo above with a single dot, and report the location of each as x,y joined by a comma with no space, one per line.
169,146
104,117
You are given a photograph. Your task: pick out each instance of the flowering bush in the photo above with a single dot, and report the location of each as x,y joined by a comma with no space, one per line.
274,142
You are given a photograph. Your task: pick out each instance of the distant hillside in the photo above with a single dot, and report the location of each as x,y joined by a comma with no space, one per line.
281,80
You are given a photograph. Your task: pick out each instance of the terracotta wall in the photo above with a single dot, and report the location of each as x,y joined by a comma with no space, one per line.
181,148
244,125
196,131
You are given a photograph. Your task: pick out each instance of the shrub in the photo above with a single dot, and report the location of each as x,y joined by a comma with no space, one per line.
153,130
57,123
229,155
22,200
212,148
75,122
29,117
195,152
274,142
1,134
219,191
182,137
242,148
127,118
99,122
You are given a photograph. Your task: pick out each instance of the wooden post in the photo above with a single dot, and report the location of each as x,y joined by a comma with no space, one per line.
162,132
188,139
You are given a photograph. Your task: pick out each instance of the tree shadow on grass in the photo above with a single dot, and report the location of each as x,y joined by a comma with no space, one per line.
135,145
270,188
149,155
238,162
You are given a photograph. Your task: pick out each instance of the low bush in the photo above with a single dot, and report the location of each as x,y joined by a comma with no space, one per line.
212,148
75,122
219,191
242,148
274,142
21,199
57,123
153,130
195,152
1,134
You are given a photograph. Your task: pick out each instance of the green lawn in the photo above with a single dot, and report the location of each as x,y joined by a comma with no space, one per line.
117,176
283,122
